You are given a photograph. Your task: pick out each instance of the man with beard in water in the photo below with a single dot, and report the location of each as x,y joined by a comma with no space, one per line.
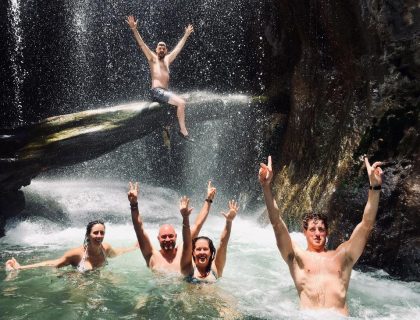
322,276
168,258
159,62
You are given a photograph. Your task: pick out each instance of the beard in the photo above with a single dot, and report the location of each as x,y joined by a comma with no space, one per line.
161,55
167,245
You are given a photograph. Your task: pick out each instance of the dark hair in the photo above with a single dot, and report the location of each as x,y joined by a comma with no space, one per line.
89,229
314,216
212,249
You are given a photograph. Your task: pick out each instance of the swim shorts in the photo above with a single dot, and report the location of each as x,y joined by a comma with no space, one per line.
160,95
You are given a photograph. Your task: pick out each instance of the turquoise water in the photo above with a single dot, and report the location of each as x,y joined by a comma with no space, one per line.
256,282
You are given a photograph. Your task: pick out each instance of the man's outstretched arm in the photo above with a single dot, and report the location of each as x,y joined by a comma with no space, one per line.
204,212
142,237
284,242
174,53
357,242
132,23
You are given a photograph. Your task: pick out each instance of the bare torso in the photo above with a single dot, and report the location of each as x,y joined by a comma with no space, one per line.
159,71
92,261
322,279
209,278
161,264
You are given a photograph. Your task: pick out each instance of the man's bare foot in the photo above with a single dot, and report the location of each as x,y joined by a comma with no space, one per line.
186,137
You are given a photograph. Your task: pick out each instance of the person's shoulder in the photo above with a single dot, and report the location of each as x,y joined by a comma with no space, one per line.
153,57
106,246
73,256
75,251
156,254
342,251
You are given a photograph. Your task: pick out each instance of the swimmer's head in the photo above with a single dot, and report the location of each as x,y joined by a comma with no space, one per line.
167,237
203,251
314,216
315,229
95,232
161,50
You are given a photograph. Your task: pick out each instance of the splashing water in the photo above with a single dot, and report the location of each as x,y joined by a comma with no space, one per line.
256,283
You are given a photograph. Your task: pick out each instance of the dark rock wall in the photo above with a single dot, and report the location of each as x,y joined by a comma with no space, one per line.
353,89
341,79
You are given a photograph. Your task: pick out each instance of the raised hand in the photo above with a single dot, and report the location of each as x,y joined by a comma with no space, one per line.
265,174
132,23
189,29
233,210
12,264
374,172
133,192
211,191
183,206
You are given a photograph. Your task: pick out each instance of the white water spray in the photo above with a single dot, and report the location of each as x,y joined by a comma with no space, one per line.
16,55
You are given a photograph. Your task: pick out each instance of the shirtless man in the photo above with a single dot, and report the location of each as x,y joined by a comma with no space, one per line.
168,258
322,277
159,63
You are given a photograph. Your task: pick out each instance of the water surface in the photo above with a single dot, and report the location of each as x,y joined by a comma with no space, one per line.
256,283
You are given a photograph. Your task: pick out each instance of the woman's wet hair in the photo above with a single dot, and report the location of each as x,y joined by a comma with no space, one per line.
212,250
314,216
89,229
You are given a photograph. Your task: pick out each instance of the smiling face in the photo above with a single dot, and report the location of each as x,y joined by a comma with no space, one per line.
167,237
161,50
316,235
97,234
202,253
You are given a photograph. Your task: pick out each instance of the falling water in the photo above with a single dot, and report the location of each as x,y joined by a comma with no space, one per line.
78,59
99,63
16,56
256,283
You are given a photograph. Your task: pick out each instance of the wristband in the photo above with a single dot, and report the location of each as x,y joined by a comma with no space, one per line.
134,205
375,187
209,200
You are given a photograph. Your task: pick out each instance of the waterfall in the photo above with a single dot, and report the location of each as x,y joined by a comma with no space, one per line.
16,57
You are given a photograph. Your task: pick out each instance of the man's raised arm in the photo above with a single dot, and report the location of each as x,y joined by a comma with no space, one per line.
132,23
142,237
284,242
174,53
186,257
357,242
204,212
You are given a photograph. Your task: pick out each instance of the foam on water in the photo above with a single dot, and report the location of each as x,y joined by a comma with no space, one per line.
256,282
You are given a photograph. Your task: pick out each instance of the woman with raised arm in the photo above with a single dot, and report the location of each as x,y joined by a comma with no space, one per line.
206,264
91,255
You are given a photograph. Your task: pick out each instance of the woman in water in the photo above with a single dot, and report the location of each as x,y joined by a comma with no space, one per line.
91,255
206,264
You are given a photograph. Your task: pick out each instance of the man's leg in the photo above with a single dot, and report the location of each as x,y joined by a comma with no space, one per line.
180,112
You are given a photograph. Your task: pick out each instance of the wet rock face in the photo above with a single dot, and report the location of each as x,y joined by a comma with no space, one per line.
394,242
351,89
12,202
